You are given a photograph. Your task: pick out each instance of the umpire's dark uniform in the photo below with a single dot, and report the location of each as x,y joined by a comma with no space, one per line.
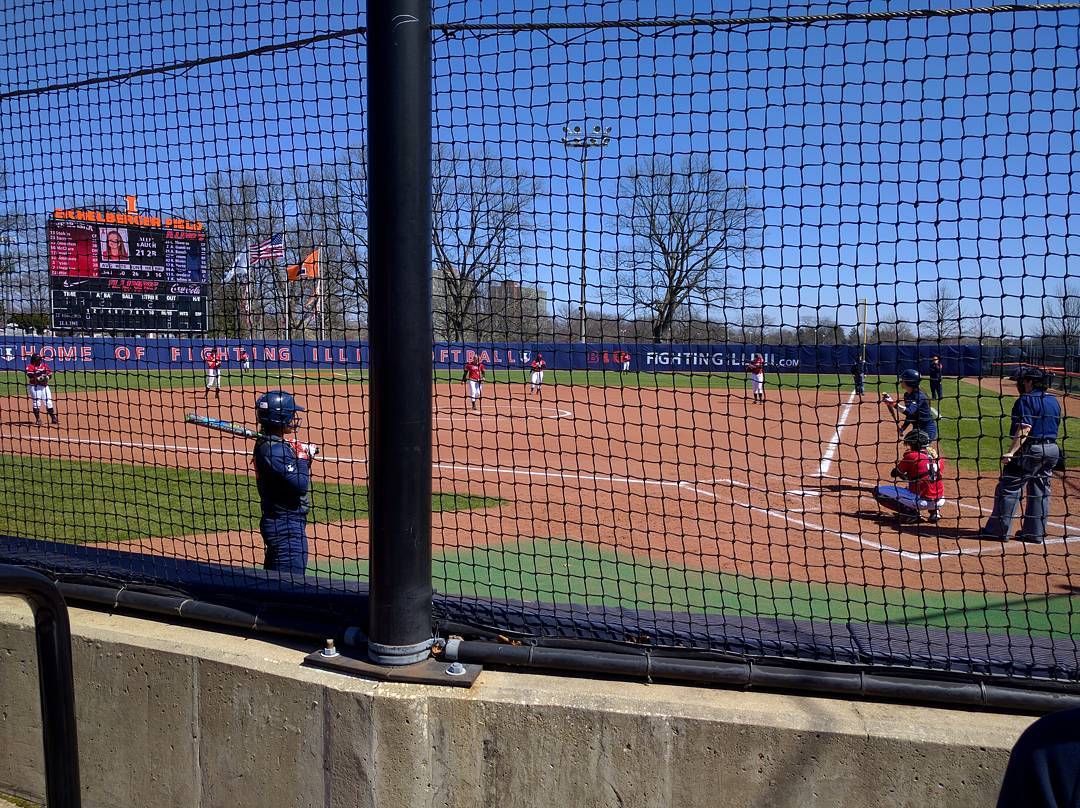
1032,466
858,372
934,376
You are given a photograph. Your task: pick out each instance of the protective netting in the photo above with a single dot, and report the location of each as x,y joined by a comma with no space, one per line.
678,260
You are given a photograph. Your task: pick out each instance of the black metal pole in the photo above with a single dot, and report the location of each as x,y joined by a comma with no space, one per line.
55,682
400,328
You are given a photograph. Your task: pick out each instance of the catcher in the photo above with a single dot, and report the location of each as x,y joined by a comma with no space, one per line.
38,374
283,474
922,468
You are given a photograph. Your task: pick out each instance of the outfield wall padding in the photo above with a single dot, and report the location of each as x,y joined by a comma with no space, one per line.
74,353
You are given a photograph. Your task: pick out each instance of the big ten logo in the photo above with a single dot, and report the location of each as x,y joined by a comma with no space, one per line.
124,353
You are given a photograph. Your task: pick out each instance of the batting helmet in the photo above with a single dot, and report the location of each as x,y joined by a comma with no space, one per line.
1025,372
910,376
276,408
917,439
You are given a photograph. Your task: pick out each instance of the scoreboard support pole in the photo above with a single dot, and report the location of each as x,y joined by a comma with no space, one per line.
400,330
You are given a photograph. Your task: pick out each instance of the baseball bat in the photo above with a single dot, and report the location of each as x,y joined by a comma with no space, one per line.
237,429
221,426
892,406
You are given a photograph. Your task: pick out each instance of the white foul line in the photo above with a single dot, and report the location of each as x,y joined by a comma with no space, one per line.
830,450
982,511
590,476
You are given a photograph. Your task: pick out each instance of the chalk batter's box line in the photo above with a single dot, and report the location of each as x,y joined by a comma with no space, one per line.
547,474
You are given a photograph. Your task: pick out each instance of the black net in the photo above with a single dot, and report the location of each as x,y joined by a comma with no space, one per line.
680,269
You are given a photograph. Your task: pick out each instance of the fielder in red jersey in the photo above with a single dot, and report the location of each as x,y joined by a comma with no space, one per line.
756,368
38,374
213,373
536,377
474,381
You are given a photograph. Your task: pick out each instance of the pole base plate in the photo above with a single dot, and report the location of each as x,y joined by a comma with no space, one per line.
427,672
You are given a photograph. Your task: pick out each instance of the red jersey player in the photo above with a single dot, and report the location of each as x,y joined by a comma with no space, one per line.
474,380
921,467
213,373
756,368
536,377
38,374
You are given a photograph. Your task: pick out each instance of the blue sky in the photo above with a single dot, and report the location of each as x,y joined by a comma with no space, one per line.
885,155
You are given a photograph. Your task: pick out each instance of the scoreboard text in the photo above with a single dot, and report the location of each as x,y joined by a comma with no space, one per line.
125,272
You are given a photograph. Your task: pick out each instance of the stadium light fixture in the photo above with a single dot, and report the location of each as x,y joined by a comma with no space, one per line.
575,137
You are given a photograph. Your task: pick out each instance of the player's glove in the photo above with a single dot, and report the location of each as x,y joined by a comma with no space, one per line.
895,472
305,451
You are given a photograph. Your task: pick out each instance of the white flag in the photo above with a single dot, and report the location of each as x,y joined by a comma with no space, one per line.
239,267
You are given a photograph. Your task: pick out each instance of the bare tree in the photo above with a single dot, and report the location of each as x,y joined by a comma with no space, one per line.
332,214
241,208
821,331
481,207
1061,317
890,331
24,281
686,226
940,318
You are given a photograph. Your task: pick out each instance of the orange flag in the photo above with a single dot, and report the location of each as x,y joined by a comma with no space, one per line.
309,268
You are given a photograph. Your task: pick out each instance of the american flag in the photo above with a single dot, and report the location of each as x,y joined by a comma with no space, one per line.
273,249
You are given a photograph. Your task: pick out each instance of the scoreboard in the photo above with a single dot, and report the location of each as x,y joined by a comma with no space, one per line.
126,272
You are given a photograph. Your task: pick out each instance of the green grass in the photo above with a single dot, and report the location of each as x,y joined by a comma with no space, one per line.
974,425
557,571
14,383
84,501
697,381
96,381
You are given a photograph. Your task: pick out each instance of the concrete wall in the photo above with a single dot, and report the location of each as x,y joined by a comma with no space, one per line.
174,716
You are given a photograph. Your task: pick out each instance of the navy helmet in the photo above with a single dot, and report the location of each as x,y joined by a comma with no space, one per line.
277,408
1028,373
911,376
917,439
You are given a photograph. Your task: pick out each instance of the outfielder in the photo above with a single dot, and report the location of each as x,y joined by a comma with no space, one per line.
474,381
922,468
283,474
536,377
756,368
213,373
38,374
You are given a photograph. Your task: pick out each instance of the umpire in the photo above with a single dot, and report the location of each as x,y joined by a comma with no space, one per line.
1030,460
858,372
934,377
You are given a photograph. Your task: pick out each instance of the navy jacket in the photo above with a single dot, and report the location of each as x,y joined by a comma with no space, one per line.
282,478
917,412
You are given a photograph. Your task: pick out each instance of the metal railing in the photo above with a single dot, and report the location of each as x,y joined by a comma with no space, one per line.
55,679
